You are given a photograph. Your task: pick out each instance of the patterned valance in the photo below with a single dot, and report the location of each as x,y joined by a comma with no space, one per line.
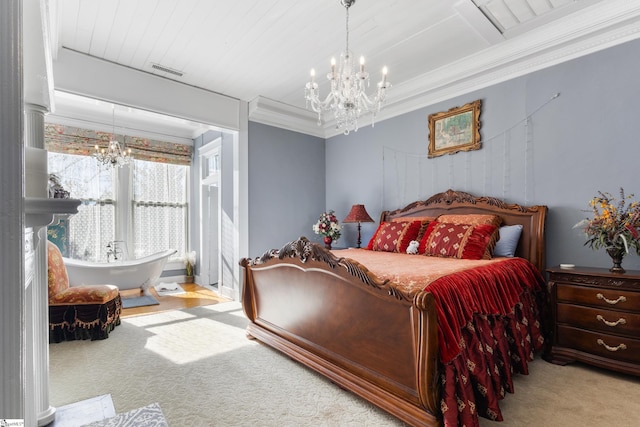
72,140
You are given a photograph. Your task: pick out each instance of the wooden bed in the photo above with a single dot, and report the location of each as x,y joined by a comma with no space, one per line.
364,333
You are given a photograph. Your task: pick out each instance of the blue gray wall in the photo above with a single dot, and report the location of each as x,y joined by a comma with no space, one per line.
536,150
286,186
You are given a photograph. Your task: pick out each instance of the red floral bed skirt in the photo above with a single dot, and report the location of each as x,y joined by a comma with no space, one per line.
494,333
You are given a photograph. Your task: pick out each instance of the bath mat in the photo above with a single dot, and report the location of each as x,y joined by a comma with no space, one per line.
150,415
139,301
165,289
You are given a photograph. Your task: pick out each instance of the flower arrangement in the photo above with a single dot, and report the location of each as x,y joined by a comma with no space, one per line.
328,226
190,262
615,223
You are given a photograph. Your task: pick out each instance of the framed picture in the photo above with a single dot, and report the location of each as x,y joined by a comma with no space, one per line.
455,130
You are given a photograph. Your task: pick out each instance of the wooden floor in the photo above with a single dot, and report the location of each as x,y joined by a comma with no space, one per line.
195,296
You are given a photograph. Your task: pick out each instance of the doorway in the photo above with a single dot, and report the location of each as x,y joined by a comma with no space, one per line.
210,214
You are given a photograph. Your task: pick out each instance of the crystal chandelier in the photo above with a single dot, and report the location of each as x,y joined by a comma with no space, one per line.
115,154
347,98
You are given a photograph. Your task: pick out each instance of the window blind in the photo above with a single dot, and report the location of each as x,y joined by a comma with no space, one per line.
73,140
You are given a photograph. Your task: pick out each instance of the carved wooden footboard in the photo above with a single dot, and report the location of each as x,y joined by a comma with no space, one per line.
334,316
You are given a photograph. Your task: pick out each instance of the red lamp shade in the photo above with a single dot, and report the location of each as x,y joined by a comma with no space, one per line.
358,214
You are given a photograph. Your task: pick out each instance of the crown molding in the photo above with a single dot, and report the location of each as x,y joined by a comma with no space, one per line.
278,114
606,24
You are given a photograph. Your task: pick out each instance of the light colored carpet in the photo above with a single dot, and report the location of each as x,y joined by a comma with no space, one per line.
200,368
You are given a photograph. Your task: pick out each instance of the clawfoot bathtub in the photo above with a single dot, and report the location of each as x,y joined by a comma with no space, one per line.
130,274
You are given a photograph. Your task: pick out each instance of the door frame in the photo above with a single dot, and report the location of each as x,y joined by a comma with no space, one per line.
210,156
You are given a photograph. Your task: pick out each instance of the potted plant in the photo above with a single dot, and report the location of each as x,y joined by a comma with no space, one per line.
190,263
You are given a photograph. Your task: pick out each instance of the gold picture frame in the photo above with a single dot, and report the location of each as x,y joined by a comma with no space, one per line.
455,130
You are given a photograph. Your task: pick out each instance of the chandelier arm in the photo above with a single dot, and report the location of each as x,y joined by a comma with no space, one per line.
368,102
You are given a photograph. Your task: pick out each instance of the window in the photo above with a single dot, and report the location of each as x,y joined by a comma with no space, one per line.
93,227
151,218
159,207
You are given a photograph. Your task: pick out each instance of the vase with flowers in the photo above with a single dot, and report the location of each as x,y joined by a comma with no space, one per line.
614,226
328,227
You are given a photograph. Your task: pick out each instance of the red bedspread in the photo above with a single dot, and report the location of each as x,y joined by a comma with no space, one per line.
488,324
489,321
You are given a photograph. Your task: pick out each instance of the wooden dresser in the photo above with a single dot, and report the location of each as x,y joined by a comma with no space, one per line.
596,318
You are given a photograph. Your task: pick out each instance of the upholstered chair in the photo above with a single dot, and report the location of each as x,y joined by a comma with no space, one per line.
79,312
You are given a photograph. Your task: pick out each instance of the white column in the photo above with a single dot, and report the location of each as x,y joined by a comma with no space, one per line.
45,413
34,125
37,320
12,304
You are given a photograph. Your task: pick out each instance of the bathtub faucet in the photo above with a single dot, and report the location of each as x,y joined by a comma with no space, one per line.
113,251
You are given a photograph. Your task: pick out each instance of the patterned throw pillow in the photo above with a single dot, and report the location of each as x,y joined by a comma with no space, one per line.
423,220
395,236
461,241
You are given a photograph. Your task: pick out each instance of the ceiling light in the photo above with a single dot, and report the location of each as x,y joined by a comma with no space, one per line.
115,154
347,98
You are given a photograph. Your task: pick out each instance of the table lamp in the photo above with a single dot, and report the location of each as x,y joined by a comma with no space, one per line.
358,214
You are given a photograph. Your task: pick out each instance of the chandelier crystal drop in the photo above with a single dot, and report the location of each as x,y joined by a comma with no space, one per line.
347,99
115,154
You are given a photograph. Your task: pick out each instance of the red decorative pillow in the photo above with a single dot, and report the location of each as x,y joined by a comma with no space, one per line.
395,236
412,231
375,235
462,241
423,220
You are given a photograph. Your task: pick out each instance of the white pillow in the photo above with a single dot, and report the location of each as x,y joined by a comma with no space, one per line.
509,236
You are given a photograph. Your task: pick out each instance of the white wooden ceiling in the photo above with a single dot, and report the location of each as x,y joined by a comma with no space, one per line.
264,49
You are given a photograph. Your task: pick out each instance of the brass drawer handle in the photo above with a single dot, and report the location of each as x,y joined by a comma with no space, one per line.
620,321
621,298
619,347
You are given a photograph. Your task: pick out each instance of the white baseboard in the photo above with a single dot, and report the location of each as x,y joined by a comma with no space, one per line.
170,279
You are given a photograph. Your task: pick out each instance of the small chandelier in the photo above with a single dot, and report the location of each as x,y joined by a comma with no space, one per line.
115,154
347,99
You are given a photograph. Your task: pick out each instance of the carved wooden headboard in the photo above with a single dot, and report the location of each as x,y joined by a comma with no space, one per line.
532,218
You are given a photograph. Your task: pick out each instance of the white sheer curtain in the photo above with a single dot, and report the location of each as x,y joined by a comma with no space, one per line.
93,227
160,208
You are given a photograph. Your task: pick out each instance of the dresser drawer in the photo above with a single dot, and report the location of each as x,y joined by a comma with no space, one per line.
597,319
598,297
604,345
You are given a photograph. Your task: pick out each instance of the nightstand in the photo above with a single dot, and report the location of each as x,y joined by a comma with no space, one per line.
596,318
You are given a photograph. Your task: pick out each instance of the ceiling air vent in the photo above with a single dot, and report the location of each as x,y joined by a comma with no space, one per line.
167,70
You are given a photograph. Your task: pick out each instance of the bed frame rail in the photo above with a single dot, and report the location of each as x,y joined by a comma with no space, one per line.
362,334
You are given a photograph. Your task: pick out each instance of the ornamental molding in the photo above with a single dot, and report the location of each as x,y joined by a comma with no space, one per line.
604,25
